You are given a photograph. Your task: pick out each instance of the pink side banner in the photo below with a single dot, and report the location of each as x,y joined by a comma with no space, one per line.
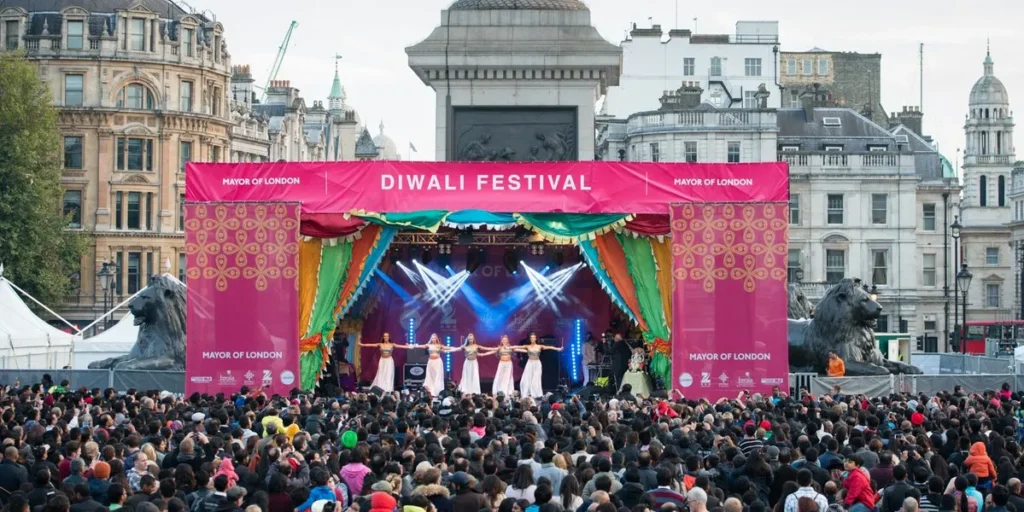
536,187
243,292
729,330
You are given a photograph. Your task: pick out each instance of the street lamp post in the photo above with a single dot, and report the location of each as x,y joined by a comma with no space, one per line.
106,276
955,233
963,280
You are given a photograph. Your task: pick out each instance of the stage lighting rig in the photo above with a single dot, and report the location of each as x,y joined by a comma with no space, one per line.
475,257
511,260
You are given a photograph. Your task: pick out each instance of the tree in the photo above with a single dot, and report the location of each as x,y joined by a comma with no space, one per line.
37,252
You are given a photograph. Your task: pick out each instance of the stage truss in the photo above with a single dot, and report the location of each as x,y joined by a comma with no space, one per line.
489,239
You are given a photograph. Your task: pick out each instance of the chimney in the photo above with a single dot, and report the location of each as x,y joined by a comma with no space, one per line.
911,117
685,97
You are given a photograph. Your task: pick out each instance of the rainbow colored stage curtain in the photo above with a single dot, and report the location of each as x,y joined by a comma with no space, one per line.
341,272
636,272
571,227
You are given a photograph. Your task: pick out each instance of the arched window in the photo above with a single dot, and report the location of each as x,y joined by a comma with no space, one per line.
135,96
1001,184
983,190
986,113
999,142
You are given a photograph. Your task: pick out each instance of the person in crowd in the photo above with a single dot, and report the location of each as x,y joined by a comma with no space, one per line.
895,493
804,479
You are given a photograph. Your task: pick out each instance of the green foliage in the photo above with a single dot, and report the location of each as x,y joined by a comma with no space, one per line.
37,252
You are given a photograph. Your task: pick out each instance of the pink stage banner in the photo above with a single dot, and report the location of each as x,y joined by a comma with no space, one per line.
536,187
729,331
243,294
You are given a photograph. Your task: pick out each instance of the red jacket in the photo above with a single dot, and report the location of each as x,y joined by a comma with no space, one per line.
858,489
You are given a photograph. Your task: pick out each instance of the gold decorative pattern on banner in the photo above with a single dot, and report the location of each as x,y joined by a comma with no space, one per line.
729,242
257,243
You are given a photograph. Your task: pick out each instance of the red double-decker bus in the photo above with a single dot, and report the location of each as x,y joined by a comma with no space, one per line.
1006,331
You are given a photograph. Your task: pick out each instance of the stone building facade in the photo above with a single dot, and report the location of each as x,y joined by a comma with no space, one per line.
250,136
142,89
849,79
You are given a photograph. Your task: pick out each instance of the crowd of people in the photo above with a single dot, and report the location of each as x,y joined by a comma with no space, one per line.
79,450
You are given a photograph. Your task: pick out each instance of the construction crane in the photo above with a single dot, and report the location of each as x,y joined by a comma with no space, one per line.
283,49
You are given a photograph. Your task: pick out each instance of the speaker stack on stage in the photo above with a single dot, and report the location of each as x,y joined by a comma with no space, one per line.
413,375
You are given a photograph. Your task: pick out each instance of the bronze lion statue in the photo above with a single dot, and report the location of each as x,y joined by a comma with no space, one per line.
159,312
844,322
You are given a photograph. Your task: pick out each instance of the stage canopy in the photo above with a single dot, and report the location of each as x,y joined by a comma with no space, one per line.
617,213
27,341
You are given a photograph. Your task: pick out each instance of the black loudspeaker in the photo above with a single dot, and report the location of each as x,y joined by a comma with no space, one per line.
413,375
593,391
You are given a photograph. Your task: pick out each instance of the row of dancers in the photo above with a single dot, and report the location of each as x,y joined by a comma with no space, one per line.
433,382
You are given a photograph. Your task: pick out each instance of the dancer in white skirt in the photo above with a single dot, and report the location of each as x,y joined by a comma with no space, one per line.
504,382
470,383
434,380
385,378
530,384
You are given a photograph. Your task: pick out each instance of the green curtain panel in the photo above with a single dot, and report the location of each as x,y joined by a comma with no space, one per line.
593,261
644,271
427,220
334,263
309,368
571,227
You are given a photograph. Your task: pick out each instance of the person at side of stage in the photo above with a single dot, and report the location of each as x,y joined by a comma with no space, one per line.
385,378
434,380
470,382
504,381
589,356
531,384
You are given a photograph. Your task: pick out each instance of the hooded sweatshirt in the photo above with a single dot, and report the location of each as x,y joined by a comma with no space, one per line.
353,475
979,463
227,468
382,502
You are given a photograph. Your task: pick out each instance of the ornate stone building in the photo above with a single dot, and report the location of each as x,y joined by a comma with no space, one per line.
985,211
250,138
142,87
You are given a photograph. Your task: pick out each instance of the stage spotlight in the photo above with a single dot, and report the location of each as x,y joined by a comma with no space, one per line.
546,268
395,256
511,260
475,257
427,256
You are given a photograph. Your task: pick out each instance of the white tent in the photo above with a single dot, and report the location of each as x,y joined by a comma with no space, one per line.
113,342
27,341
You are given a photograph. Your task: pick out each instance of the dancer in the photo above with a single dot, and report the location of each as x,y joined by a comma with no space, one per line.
434,380
504,382
470,383
385,378
530,384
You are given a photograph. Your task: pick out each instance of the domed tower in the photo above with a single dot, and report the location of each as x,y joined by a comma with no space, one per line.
985,209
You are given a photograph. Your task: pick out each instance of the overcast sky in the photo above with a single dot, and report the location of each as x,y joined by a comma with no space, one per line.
372,36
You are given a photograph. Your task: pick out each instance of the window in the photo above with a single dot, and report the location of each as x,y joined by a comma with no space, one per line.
822,66
983,190
134,272
73,91
181,212
690,151
991,255
835,208
791,66
181,267
929,217
149,265
134,210
12,34
149,211
794,98
655,152
874,149
928,267
76,34
135,96
716,66
807,68
137,32
120,266
794,209
73,208
216,153
134,154
187,36
186,96
749,99
833,148
835,265
733,152
880,266
790,149
73,152
931,325
185,154
118,209
1001,191
689,66
879,209
793,266
752,67
882,324
992,295
215,101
